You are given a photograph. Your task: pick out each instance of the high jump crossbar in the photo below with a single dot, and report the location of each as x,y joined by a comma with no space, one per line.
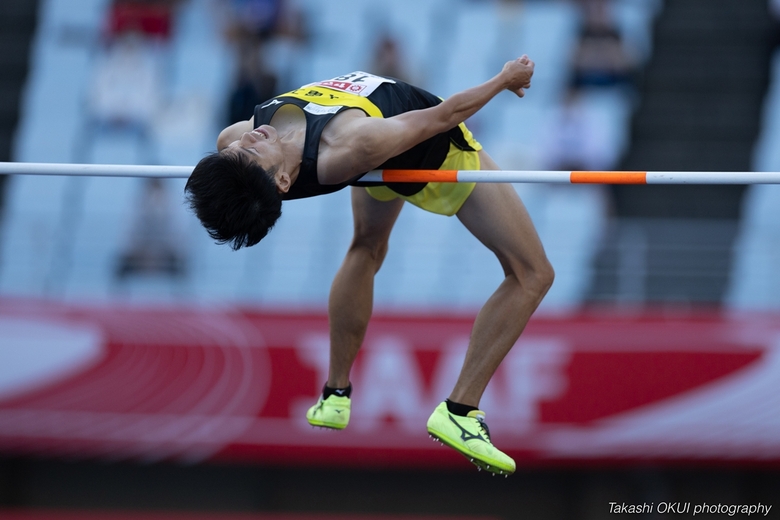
389,176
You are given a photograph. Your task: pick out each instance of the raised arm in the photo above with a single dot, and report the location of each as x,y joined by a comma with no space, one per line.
365,143
515,77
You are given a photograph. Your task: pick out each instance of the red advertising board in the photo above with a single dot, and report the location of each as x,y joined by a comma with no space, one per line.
198,384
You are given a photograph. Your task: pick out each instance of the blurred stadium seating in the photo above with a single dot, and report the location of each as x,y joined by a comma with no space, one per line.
67,245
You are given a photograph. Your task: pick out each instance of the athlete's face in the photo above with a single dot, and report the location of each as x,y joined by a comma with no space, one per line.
261,145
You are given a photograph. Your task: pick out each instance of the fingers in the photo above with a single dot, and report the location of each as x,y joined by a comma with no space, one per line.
522,75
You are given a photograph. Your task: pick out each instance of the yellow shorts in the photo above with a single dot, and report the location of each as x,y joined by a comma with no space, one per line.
444,198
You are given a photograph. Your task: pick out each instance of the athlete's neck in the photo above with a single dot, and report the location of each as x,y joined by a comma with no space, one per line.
290,123
292,149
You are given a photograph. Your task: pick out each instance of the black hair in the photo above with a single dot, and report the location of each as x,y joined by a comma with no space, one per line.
235,198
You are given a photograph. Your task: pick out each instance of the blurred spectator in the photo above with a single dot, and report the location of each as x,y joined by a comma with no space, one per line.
128,84
260,22
265,35
387,60
601,58
252,20
153,243
578,137
153,18
254,84
125,93
284,51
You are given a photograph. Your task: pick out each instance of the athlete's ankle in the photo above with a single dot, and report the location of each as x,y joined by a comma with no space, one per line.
458,408
328,391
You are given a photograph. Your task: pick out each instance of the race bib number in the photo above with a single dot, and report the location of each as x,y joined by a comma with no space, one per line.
358,83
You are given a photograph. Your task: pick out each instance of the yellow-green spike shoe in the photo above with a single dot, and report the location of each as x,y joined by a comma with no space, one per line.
471,437
332,412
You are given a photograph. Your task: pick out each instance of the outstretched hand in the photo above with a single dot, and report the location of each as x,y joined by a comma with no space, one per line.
517,74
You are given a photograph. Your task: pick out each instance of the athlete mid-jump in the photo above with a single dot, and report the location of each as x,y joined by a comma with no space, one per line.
321,138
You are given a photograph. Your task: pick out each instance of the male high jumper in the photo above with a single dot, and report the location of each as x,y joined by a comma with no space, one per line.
321,138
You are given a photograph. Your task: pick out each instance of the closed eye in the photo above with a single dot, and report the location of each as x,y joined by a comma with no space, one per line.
248,151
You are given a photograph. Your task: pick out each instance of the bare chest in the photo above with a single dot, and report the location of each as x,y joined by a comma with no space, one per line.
332,146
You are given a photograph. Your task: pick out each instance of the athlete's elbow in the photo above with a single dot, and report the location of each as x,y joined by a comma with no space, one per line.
443,120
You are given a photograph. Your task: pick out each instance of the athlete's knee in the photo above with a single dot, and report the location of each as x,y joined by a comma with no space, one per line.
535,277
544,275
371,248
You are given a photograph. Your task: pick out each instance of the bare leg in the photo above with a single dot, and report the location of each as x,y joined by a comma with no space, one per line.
352,293
495,215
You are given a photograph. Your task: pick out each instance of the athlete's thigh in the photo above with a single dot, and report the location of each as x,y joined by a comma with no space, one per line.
496,216
373,219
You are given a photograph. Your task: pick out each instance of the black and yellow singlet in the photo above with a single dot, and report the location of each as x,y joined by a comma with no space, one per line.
377,97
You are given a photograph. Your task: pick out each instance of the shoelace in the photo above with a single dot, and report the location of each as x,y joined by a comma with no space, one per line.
484,427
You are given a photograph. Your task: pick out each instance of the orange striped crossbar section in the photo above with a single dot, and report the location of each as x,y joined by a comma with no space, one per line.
575,177
420,175
608,177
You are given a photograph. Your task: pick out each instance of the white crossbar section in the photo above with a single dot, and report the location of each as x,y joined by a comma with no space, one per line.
713,178
95,170
515,176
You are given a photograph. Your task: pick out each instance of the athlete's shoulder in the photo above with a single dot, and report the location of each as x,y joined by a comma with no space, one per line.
233,132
